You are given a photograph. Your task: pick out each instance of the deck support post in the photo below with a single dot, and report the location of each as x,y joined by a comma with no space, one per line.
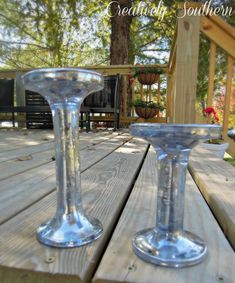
186,68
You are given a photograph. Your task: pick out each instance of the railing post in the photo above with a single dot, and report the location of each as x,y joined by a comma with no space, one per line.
211,74
124,96
228,95
170,98
186,68
20,96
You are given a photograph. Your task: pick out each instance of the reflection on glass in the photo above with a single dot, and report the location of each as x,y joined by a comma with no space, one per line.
168,244
65,90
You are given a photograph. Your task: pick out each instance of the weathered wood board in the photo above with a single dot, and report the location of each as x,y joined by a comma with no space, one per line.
14,139
216,180
23,189
106,185
23,159
11,141
120,264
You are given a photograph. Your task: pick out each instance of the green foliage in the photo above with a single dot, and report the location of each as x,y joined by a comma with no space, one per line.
147,104
151,36
230,160
41,33
49,33
146,70
203,71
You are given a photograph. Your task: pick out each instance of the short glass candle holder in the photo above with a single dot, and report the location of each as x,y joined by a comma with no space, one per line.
65,89
168,244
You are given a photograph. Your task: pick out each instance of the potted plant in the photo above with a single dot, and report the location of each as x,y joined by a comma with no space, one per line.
217,146
147,75
147,109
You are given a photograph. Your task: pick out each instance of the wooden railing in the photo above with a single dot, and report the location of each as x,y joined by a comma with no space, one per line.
127,114
180,90
221,35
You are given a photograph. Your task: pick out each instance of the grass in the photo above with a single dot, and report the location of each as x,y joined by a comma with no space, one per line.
229,159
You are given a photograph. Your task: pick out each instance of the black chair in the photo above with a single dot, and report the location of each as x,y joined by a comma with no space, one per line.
7,97
38,113
41,119
105,101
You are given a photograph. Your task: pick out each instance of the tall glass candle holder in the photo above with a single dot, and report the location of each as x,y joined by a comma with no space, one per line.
65,89
168,244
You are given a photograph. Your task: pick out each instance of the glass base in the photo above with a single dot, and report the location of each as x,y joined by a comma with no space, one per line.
68,233
183,249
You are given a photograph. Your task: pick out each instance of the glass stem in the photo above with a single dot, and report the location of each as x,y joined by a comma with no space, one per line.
66,129
172,168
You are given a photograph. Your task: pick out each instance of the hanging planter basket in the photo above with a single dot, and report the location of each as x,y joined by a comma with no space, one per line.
148,78
146,112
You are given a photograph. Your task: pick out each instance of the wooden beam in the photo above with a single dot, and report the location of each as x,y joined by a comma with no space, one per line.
215,33
127,120
141,120
172,57
105,70
224,25
124,93
215,179
186,69
217,19
211,73
228,95
187,5
169,97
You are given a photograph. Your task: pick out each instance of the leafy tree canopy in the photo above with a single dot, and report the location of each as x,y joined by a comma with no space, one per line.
69,32
39,33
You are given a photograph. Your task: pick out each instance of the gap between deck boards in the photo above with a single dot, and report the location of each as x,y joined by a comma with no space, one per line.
113,177
84,147
123,206
128,139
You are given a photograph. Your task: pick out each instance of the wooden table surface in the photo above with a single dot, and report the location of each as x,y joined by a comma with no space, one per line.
119,188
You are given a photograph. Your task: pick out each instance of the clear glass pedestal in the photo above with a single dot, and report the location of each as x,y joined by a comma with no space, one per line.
167,243
65,89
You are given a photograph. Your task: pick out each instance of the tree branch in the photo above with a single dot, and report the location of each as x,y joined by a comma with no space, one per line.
15,24
24,43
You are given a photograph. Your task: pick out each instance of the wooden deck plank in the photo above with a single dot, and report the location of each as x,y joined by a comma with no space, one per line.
12,140
24,151
85,140
216,180
106,186
120,264
23,189
24,159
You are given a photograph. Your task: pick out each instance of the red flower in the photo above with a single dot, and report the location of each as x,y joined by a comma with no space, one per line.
208,112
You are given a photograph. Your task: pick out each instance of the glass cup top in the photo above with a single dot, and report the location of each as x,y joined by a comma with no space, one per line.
63,84
173,136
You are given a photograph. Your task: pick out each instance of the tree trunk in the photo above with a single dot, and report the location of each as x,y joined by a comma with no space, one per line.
120,33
